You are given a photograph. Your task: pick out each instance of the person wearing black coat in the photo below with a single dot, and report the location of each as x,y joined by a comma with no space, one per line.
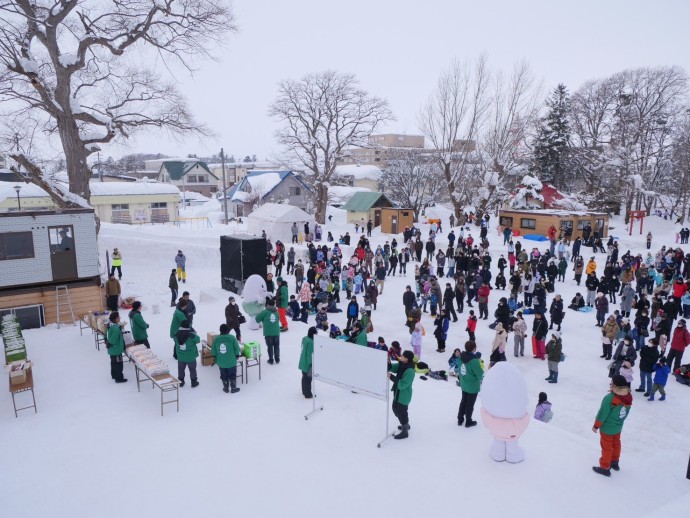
642,326
671,308
409,300
577,302
502,314
352,312
556,312
649,355
576,248
664,327
448,298
502,263
233,317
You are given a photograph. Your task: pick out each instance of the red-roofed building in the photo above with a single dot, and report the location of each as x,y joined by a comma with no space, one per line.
551,197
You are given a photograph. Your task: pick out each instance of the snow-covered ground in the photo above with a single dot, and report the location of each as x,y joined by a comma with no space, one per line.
100,449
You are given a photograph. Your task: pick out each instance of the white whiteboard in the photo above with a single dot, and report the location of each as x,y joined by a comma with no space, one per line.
351,366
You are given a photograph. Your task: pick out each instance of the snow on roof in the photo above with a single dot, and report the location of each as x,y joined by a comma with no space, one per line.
339,194
277,212
260,183
192,195
554,212
28,190
359,172
131,188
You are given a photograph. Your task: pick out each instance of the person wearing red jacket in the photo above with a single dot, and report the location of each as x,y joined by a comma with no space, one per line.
471,325
680,340
483,298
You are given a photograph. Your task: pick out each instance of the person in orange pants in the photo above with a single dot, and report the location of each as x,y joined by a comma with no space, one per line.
615,408
282,299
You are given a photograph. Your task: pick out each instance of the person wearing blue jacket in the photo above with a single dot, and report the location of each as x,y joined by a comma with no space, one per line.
442,322
661,372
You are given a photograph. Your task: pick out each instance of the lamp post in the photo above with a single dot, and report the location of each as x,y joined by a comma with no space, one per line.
19,203
225,187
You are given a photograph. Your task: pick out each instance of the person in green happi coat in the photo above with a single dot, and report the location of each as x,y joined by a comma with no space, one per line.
115,344
226,350
402,375
305,362
270,320
138,325
187,352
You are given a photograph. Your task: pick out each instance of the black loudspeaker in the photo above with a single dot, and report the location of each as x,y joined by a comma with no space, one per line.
241,256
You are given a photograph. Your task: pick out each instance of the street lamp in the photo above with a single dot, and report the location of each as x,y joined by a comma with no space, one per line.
19,203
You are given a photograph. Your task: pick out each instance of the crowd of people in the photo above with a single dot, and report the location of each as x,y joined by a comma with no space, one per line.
451,277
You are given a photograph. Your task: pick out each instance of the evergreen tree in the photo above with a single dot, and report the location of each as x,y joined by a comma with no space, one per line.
552,145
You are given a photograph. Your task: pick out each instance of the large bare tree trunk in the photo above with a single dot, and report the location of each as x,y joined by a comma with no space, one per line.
321,203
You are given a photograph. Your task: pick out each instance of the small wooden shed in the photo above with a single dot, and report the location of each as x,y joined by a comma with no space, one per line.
538,221
394,220
366,206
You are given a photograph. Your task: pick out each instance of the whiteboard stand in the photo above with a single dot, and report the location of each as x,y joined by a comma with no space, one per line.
313,394
389,434
351,367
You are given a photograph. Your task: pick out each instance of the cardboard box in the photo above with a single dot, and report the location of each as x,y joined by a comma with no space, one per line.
210,337
17,377
206,359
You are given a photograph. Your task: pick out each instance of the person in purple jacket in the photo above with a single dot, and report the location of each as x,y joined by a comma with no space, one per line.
543,411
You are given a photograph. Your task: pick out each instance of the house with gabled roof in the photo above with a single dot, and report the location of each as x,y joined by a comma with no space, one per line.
260,187
189,175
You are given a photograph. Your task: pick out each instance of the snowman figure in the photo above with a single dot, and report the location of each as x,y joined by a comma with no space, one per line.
504,411
254,299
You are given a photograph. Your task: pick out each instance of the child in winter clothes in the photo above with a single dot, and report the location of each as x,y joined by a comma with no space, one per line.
661,371
394,351
627,372
416,340
543,411
471,325
614,409
498,347
294,308
453,363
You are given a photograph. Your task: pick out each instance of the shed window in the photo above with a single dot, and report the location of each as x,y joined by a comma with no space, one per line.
600,222
566,223
582,224
528,223
506,221
406,213
159,205
61,238
16,245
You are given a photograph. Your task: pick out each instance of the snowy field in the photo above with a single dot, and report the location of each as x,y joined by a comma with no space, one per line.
100,449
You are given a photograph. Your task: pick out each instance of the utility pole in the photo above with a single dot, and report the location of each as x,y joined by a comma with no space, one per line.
100,170
225,186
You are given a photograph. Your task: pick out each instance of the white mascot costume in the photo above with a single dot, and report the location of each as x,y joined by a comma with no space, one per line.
504,411
254,299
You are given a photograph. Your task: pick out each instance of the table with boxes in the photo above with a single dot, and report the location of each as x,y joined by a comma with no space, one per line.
16,364
251,356
148,366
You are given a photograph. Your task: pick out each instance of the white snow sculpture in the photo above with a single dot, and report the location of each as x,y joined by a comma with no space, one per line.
254,299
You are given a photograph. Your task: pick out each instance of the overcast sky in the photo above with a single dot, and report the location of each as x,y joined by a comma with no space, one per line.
397,49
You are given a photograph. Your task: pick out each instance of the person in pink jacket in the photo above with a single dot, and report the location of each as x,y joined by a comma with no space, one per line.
416,340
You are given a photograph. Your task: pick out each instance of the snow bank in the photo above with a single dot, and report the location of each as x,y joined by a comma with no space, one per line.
359,172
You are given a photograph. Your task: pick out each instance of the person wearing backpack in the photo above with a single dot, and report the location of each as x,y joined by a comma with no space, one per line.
543,411
226,350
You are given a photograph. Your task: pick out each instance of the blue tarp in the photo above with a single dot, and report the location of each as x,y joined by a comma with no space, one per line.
535,237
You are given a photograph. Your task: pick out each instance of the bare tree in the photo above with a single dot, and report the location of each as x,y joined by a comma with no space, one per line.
623,129
452,119
413,178
503,142
321,115
73,69
681,168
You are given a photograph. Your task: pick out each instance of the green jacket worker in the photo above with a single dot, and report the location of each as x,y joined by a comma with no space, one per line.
402,375
115,344
470,373
187,353
270,320
305,362
226,350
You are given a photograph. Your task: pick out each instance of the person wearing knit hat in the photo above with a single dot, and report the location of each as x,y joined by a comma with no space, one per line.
614,409
553,355
402,376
